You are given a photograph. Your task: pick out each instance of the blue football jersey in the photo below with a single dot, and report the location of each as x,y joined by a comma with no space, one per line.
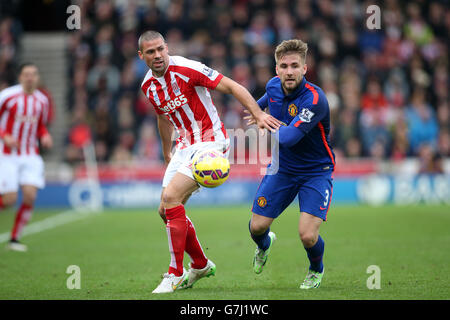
304,145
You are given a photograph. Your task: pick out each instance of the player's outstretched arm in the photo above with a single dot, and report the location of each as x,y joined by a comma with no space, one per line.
263,120
302,124
290,135
165,129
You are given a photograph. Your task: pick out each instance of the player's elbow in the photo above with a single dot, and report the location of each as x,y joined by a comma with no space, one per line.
289,136
286,141
226,86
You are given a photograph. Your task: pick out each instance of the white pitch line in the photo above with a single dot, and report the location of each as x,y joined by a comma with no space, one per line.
50,223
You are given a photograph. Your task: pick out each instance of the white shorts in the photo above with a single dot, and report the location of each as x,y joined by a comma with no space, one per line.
21,170
182,158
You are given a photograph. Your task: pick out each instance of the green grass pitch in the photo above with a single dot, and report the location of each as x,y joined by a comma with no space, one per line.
123,253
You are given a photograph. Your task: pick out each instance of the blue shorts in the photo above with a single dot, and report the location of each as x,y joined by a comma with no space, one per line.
276,192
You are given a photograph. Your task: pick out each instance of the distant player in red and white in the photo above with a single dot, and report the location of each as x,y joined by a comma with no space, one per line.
23,116
178,88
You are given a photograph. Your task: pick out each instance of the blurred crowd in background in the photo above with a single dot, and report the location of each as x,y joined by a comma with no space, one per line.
388,89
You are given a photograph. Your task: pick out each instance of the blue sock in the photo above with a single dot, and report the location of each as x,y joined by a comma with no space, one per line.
262,240
315,254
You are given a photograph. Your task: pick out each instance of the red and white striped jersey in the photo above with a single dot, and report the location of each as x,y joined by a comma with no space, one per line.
24,116
182,95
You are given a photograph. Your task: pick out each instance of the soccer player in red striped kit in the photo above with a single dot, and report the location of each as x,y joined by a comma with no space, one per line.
178,88
23,117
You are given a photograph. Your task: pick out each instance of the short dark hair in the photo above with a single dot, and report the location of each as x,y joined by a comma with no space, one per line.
26,64
149,35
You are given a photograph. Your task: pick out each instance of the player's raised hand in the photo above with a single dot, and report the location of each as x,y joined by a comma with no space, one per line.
266,121
47,141
9,141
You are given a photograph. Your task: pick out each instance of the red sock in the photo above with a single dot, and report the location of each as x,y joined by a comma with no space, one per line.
22,217
1,202
176,228
193,247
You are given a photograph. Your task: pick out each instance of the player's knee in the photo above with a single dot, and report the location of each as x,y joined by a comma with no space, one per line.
29,198
9,199
257,228
169,198
308,238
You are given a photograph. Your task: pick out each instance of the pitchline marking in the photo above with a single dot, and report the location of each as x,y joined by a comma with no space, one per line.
59,219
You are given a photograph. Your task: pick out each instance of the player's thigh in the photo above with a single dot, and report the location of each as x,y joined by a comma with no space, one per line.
178,188
9,175
32,172
172,168
275,193
315,195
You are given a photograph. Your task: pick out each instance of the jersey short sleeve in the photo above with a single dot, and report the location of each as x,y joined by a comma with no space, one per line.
263,102
199,73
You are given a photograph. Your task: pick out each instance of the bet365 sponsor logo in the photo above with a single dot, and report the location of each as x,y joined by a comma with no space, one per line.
173,104
29,119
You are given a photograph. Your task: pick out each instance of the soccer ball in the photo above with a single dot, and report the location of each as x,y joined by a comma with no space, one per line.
210,168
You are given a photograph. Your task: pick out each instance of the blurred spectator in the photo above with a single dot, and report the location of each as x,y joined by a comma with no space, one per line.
373,98
430,162
416,29
147,148
346,133
103,77
400,144
444,142
10,33
422,122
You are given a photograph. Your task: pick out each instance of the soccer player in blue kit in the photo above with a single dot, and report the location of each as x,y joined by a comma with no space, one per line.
305,160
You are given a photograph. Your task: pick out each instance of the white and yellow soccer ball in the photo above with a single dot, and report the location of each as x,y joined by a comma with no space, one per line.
210,168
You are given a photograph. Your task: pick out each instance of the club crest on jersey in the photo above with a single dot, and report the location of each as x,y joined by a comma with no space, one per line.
292,109
175,88
306,115
262,202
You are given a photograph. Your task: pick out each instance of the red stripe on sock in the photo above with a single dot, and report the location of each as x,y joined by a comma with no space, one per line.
176,233
23,215
193,247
